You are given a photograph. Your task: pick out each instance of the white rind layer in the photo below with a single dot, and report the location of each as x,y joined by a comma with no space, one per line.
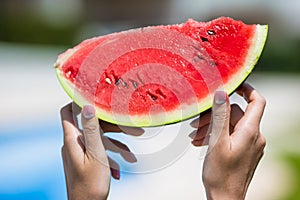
184,111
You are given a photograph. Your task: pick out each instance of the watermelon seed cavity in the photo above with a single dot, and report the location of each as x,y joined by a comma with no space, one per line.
107,80
198,54
123,83
158,91
152,96
211,32
212,63
120,80
134,84
200,57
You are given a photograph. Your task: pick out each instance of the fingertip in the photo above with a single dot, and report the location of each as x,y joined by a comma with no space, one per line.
195,123
89,121
131,157
245,86
114,169
245,90
221,104
249,93
220,97
115,173
193,134
88,112
68,125
66,110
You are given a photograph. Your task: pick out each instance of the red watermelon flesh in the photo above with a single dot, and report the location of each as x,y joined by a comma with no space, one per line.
157,75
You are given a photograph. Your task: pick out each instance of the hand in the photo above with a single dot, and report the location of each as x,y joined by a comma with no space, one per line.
235,144
85,162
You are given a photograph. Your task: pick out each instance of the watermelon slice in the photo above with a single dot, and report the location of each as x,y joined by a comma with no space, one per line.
162,74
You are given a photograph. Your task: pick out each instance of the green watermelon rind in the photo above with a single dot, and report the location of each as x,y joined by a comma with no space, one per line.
170,117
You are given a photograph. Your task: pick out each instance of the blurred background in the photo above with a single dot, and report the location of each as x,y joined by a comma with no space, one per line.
34,32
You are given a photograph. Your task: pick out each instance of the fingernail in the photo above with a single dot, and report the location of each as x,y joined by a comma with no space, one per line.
117,174
193,134
132,157
88,112
195,123
220,97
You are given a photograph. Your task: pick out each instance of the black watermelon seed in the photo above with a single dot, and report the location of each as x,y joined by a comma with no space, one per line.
200,57
152,96
134,84
204,39
124,83
118,81
196,48
212,63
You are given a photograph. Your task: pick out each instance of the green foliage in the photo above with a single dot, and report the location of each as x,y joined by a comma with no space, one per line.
27,28
293,161
280,56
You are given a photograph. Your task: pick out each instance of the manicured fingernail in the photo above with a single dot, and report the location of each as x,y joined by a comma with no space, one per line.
88,112
220,97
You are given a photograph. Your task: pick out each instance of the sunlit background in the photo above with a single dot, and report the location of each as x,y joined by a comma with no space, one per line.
34,32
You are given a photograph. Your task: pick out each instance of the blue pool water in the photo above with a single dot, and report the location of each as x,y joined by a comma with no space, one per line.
31,166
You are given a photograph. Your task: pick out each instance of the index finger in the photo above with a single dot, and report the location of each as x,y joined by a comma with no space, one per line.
71,133
68,124
256,104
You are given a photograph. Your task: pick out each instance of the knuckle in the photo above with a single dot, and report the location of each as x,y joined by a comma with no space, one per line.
220,116
262,100
90,126
91,129
262,141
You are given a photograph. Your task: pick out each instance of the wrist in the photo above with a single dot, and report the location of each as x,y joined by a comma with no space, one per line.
81,196
82,192
224,194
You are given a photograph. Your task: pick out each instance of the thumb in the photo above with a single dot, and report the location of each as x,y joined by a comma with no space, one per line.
91,133
220,119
